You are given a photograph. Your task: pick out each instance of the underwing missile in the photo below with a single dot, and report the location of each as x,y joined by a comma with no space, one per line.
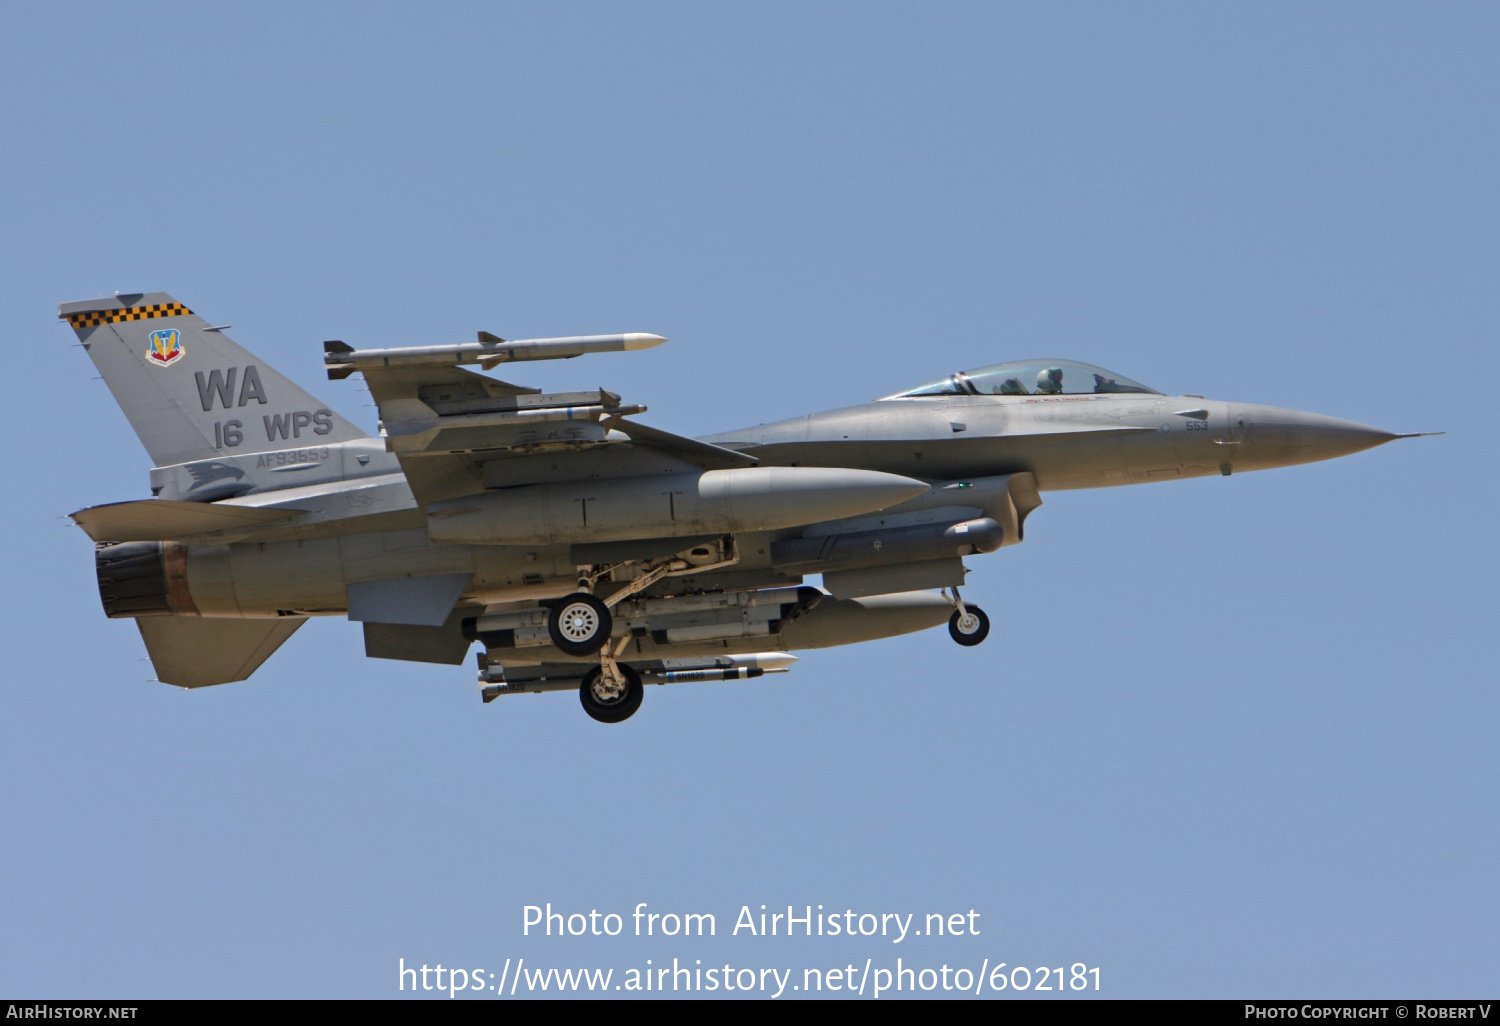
694,676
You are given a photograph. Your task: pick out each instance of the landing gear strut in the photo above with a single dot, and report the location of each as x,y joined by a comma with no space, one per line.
581,624
968,625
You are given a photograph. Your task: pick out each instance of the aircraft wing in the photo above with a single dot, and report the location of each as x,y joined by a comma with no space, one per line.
456,432
690,450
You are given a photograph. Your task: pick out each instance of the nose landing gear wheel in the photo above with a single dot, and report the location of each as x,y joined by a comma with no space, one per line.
580,624
969,627
611,703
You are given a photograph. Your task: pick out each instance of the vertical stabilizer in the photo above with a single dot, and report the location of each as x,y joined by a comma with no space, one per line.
190,391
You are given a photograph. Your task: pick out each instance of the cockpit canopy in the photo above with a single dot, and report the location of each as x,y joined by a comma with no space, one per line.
1031,377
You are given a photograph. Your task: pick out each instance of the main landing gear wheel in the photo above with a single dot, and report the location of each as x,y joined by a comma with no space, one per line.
969,627
611,703
580,624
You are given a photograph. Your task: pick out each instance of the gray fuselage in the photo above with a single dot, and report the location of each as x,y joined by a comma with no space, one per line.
1067,441
367,526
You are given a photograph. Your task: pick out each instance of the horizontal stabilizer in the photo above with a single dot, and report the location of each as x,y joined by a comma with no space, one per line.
192,653
166,520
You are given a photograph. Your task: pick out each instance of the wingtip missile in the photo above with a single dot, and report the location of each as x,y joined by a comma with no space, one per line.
628,342
489,351
567,347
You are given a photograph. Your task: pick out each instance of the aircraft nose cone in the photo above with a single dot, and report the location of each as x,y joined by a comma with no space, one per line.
1277,437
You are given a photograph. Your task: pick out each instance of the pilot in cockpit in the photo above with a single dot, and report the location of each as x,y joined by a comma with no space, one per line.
1052,378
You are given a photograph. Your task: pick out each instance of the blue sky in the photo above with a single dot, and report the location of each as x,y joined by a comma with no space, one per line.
1228,737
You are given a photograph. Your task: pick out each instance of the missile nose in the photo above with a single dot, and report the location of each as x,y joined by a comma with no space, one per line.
640,340
1277,437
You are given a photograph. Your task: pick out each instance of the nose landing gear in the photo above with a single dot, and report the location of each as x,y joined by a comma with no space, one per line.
968,625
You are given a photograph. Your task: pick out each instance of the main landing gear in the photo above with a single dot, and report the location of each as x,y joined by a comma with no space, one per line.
580,624
611,692
968,625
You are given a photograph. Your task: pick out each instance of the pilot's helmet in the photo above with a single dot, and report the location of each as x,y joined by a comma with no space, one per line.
1049,380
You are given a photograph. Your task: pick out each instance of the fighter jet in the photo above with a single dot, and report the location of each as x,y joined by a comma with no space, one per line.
580,549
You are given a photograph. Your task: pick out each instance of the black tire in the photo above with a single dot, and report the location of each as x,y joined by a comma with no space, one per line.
619,709
975,634
580,624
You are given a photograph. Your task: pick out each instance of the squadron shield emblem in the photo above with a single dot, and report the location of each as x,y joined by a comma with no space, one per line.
166,347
